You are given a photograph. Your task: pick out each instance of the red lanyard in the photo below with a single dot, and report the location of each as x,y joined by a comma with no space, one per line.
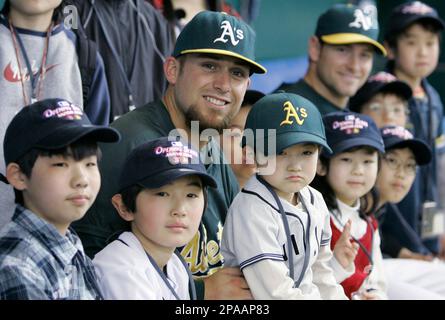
38,78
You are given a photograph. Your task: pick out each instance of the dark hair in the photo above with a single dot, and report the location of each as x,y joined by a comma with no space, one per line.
82,148
57,14
393,37
368,202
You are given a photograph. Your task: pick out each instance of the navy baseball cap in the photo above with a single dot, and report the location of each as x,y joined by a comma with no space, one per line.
161,161
295,119
346,130
407,13
347,24
219,33
381,82
396,137
50,124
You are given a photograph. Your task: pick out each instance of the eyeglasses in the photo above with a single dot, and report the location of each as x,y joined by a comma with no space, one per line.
396,109
393,163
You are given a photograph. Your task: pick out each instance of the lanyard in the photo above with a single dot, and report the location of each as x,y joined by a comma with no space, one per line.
167,282
288,233
36,80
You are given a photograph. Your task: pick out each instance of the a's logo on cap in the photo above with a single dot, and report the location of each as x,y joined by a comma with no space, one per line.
417,7
400,132
351,125
177,153
64,110
229,31
299,114
363,20
384,77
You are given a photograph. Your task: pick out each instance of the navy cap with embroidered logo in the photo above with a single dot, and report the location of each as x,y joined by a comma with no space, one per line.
161,161
407,13
294,119
50,124
381,82
347,24
396,137
346,130
219,33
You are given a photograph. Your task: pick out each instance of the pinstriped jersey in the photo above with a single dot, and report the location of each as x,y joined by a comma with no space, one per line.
254,231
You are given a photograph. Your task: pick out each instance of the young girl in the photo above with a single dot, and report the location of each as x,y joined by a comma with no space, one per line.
343,178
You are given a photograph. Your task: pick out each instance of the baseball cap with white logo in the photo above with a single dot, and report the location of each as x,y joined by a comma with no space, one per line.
219,33
348,24
161,161
51,124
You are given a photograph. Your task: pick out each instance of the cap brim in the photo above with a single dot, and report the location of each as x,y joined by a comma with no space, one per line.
67,134
422,153
349,38
289,139
255,67
352,143
167,176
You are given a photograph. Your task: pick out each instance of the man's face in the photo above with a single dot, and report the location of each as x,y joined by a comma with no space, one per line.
343,69
210,89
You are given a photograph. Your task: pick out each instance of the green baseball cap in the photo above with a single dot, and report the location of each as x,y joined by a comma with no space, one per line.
295,119
219,33
347,24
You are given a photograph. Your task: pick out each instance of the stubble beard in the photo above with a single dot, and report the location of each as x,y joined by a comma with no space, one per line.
191,114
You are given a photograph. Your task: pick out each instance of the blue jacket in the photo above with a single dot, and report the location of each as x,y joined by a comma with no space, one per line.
425,185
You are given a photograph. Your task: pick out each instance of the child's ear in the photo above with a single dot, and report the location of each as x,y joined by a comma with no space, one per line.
16,177
390,51
321,168
117,202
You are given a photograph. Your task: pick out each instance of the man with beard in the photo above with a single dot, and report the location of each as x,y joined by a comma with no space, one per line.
340,57
208,75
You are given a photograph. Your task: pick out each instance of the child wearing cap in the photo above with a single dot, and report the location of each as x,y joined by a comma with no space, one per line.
162,196
277,229
384,98
51,156
407,278
412,39
344,178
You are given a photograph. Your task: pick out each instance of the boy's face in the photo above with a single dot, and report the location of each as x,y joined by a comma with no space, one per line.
396,175
231,144
34,7
352,174
295,169
61,189
210,89
417,52
169,217
343,69
386,109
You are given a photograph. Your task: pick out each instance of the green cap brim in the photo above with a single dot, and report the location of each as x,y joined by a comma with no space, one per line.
256,68
349,38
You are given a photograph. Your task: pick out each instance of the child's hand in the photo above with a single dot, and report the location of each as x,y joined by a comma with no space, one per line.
345,249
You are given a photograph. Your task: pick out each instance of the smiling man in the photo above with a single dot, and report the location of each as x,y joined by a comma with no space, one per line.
340,57
208,74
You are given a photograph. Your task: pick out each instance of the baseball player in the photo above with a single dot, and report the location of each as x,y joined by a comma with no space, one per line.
277,229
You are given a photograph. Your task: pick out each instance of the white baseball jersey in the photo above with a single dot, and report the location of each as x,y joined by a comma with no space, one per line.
254,239
125,273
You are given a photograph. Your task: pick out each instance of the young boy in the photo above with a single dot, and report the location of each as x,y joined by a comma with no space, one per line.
38,60
277,229
413,40
162,196
384,99
242,166
51,153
